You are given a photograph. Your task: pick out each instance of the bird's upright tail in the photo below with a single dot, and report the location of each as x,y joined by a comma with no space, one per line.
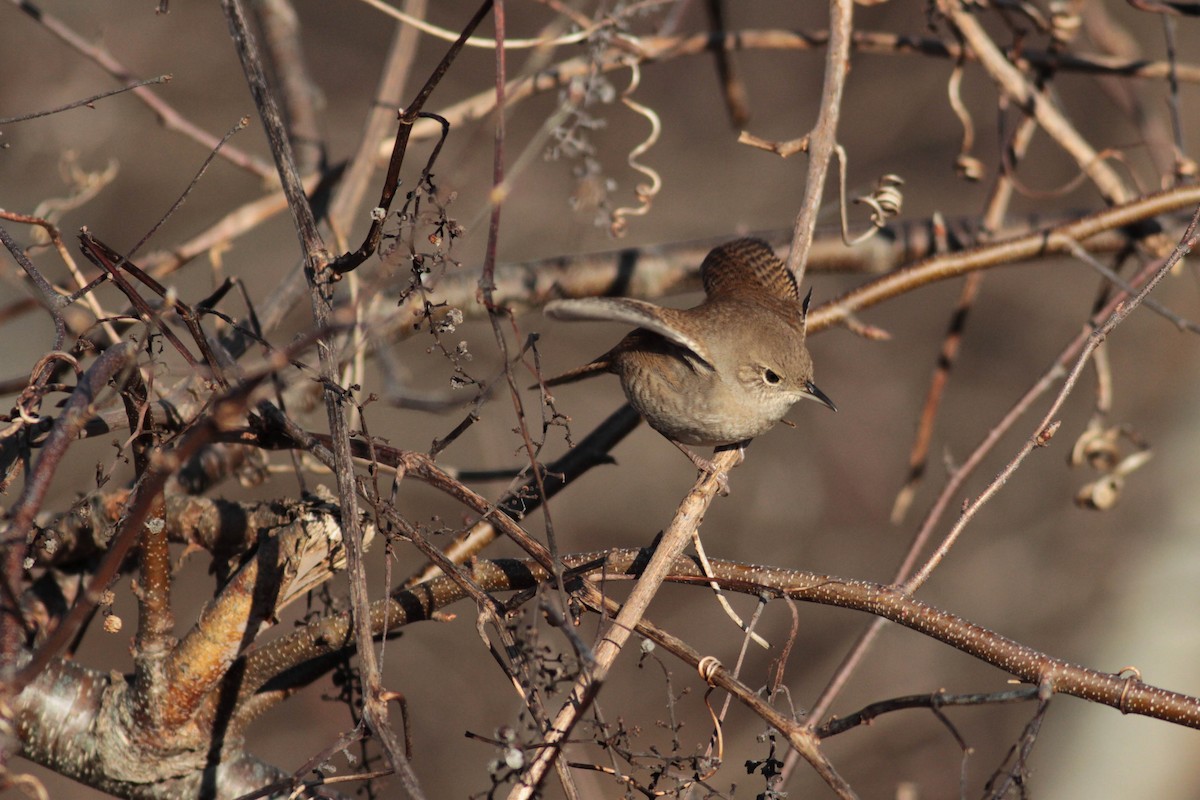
589,370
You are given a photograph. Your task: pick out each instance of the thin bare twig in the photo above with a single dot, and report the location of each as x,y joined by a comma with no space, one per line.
87,101
170,118
1114,314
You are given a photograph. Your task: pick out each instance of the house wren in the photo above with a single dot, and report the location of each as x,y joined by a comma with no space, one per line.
717,374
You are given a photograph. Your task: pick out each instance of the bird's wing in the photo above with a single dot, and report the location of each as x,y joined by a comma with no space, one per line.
669,323
747,265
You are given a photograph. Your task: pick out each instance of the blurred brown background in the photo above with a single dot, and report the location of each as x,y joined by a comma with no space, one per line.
1103,589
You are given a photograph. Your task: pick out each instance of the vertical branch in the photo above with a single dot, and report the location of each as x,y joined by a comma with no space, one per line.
138,511
51,299
349,193
686,522
487,282
79,409
823,139
30,404
321,291
281,43
153,642
732,88
311,243
487,287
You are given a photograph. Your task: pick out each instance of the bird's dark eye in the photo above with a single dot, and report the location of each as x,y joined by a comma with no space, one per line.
771,377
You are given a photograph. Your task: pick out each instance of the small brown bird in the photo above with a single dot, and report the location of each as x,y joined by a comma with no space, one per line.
717,374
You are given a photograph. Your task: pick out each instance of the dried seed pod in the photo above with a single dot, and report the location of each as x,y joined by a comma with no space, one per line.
1101,494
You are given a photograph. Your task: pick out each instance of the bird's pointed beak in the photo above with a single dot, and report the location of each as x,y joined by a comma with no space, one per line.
813,393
